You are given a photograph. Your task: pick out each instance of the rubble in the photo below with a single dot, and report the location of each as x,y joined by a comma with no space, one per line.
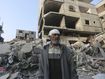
90,59
77,19
19,59
4,48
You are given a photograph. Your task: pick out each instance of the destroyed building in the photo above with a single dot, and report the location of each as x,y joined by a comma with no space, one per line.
76,19
24,34
19,57
100,7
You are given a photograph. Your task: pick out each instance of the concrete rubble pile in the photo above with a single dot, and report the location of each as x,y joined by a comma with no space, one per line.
19,59
90,59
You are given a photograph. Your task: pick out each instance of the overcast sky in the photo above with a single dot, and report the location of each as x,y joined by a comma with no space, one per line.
19,14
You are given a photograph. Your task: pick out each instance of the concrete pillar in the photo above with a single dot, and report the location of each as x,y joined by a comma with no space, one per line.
62,24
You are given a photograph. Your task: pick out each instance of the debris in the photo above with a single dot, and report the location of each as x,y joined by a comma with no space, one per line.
19,59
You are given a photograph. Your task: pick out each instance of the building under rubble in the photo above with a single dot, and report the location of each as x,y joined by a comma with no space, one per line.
76,19
25,34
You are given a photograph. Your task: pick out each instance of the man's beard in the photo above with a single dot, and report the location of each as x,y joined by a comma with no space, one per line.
57,42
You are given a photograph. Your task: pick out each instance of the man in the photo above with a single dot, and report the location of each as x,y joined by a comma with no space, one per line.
56,62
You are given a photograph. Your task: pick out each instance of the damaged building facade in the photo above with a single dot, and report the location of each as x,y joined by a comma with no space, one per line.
100,7
24,34
76,19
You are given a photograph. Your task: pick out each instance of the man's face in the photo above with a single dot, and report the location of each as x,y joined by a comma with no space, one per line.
55,38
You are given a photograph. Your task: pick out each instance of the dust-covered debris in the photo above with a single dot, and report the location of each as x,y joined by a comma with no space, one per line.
20,59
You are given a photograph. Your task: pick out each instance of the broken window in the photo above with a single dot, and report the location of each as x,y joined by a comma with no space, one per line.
71,8
26,35
21,38
20,31
48,40
101,17
53,19
32,32
94,22
104,5
71,22
87,22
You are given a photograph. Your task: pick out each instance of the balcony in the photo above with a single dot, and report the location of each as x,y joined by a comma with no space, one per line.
69,32
53,19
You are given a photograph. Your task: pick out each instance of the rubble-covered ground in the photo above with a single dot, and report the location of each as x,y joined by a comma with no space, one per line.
90,60
19,60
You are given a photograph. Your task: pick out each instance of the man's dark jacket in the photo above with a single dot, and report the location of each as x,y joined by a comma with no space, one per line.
68,66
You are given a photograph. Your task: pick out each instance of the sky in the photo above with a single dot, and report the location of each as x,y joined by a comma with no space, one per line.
19,14
96,1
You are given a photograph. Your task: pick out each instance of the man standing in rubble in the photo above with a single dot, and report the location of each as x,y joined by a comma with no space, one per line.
56,62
